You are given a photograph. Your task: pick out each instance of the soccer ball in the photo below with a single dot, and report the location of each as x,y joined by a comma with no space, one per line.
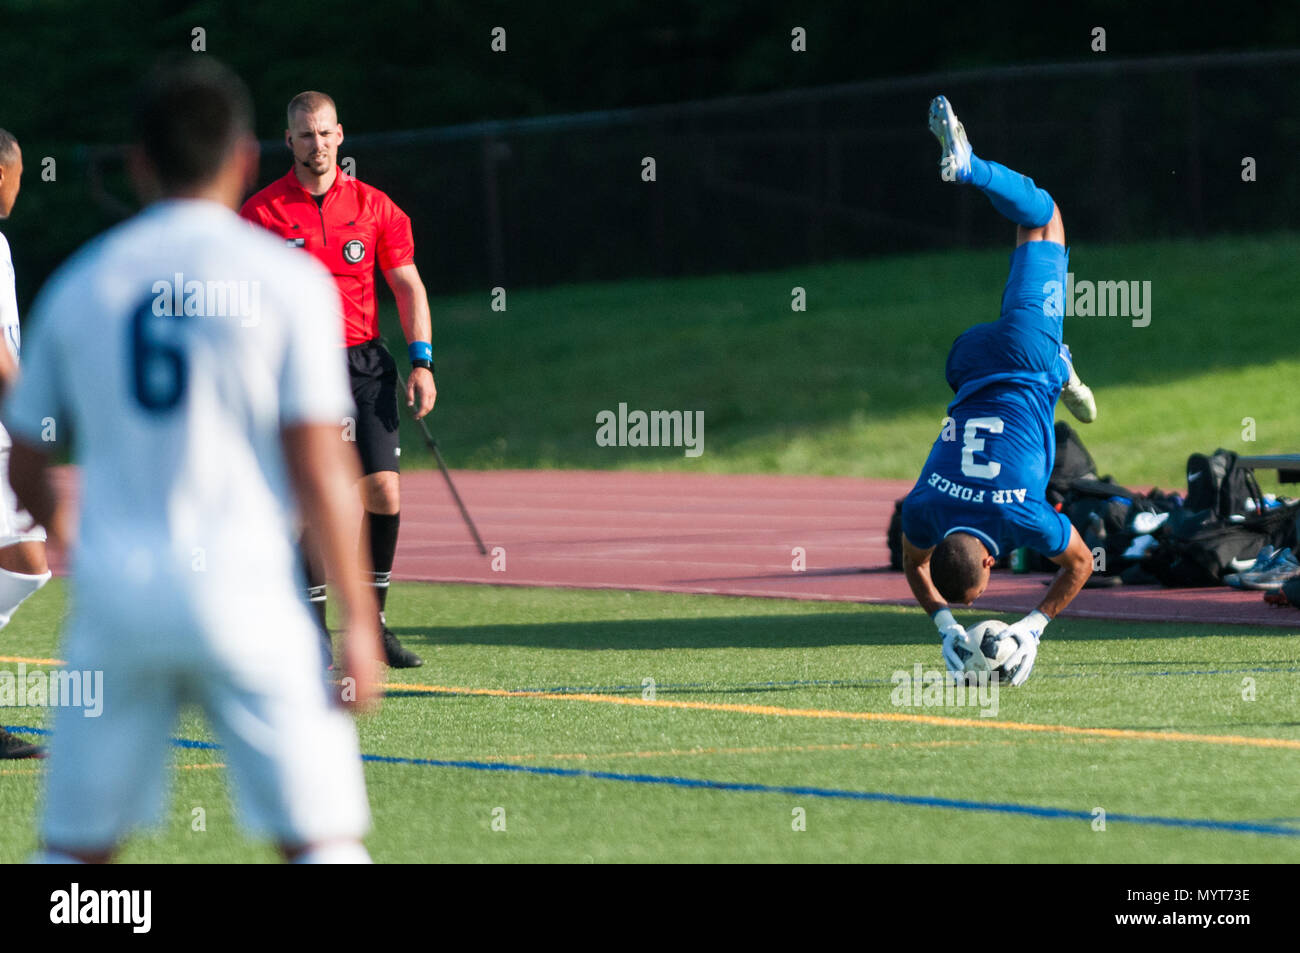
997,648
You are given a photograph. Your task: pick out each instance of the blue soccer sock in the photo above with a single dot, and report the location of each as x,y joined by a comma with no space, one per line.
1012,194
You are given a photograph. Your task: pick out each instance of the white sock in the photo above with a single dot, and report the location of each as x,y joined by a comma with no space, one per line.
14,588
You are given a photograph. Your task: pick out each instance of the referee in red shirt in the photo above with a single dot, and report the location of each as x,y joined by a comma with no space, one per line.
349,226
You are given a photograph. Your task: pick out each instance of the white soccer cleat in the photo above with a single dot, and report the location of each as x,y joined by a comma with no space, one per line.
1077,397
954,164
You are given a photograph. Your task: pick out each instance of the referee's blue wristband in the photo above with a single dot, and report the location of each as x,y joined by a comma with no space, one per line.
420,351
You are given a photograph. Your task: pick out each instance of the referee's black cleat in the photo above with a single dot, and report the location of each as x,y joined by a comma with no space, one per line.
398,655
13,747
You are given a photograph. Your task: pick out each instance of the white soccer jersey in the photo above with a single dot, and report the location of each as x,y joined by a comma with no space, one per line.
16,524
8,299
8,313
173,348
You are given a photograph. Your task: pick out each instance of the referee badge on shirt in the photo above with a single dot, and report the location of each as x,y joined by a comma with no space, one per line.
354,251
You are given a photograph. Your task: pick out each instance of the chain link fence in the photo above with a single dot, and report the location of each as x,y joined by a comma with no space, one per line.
1130,149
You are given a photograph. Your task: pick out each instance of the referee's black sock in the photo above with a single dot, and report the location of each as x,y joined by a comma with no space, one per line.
383,547
315,573
316,596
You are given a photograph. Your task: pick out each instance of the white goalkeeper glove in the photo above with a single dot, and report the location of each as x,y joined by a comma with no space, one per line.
954,635
1026,632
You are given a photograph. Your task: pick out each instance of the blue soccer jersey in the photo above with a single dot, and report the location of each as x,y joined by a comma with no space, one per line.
987,473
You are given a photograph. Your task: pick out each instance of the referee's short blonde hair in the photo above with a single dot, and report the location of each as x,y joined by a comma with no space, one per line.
309,102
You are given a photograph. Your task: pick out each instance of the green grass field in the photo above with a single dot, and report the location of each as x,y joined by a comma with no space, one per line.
637,726
830,663
854,385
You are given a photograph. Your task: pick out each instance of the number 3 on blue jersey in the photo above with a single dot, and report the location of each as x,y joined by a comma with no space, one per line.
972,444
159,370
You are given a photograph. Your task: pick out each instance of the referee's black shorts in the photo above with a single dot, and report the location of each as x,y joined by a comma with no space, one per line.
374,390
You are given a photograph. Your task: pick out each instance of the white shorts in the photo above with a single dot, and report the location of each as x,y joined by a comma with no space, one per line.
16,524
292,754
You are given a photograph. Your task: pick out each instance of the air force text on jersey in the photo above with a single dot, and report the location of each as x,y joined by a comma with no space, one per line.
233,298
970,495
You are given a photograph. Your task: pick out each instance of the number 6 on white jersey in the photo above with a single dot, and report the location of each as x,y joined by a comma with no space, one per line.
971,445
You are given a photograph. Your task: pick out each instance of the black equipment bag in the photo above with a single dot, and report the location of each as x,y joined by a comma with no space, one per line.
1216,483
1073,462
895,537
1199,546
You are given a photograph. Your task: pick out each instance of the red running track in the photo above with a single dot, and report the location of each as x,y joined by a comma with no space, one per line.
721,534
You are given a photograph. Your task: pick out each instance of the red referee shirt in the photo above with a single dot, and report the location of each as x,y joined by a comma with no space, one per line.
355,226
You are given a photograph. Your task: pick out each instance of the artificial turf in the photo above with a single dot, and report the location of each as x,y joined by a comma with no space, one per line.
788,717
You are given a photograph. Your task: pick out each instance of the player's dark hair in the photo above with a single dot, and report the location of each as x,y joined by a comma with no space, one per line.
956,566
189,113
8,147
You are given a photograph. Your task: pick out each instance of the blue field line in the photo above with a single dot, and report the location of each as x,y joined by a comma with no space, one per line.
176,742
992,807
744,787
864,682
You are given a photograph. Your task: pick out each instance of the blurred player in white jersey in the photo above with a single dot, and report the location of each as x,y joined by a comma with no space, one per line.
22,543
187,353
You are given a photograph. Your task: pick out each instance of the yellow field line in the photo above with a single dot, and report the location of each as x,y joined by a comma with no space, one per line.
32,661
943,721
